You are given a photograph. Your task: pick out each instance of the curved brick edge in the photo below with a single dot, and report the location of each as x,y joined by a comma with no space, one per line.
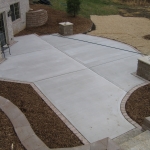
59,114
123,103
21,126
31,141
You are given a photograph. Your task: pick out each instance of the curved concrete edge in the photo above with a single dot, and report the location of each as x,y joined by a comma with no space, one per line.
21,126
123,103
131,46
59,114
31,141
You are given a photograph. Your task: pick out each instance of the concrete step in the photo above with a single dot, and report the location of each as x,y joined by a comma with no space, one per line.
137,141
142,146
127,136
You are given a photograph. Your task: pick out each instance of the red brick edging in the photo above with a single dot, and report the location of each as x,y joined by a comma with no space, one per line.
123,103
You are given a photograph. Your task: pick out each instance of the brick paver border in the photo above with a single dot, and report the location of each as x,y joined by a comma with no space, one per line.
123,103
59,114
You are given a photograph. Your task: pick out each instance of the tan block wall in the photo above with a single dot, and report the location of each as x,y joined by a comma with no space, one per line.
36,18
66,30
143,70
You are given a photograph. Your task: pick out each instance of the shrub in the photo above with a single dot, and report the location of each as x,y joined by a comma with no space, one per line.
73,7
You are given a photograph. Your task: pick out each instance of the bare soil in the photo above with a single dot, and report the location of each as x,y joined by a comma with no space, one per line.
81,24
138,104
8,135
45,123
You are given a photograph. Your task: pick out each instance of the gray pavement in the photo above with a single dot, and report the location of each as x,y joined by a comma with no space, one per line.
85,81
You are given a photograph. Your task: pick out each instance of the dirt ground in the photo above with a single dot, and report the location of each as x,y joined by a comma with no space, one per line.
130,30
138,104
8,135
45,123
81,24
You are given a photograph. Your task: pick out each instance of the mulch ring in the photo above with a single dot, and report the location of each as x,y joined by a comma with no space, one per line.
45,123
138,104
147,37
81,25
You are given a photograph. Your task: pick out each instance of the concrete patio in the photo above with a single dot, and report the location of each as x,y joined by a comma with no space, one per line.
85,80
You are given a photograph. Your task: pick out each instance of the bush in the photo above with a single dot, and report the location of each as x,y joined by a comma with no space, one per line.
73,7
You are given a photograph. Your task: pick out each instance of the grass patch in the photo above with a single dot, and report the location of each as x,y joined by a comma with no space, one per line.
105,7
92,7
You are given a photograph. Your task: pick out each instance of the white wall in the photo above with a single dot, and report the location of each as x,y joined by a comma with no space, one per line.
12,28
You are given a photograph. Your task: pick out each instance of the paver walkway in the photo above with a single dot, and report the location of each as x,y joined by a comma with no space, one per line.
85,81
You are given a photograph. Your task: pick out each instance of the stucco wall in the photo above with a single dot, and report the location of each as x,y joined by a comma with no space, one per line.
20,23
4,8
12,28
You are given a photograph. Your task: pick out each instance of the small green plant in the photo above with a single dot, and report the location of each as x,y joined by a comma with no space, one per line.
73,7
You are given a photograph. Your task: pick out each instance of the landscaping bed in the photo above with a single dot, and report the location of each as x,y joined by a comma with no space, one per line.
81,24
8,135
45,123
138,104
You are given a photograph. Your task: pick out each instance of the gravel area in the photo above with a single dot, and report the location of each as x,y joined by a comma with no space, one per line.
130,30
45,123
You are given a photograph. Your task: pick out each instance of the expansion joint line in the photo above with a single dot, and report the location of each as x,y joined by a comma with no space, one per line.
101,45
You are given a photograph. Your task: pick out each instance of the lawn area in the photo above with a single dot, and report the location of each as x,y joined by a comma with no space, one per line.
91,7
107,7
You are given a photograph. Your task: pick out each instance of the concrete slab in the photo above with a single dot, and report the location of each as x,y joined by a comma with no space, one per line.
61,42
90,54
85,81
38,65
28,44
94,55
90,103
120,72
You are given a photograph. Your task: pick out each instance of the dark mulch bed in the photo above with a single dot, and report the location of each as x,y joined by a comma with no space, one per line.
147,37
8,135
138,104
135,12
81,24
45,123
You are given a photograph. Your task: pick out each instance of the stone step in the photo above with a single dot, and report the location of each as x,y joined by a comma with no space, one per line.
138,140
142,146
127,136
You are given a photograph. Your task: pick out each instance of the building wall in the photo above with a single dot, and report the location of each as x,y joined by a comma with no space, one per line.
12,28
20,23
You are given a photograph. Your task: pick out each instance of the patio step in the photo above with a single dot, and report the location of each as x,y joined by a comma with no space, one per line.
139,142
127,136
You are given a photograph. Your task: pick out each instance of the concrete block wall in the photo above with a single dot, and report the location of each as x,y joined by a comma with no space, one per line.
36,18
146,124
65,28
143,70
